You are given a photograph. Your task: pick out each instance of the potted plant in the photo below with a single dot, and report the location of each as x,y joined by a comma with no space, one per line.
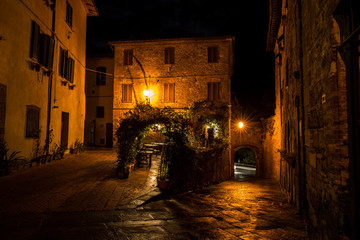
163,178
8,162
122,170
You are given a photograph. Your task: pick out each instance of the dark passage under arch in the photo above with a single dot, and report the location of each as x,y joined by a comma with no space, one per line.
244,163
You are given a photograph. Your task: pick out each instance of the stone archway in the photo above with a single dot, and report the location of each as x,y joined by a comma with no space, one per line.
258,153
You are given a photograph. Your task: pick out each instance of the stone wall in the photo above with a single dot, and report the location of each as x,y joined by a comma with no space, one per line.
311,100
264,139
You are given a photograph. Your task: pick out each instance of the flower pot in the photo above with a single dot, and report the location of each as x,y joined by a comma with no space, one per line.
163,184
123,174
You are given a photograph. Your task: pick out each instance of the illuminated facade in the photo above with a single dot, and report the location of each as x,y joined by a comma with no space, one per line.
316,46
172,72
42,81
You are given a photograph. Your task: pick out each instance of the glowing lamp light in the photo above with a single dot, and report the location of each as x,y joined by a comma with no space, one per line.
241,124
148,93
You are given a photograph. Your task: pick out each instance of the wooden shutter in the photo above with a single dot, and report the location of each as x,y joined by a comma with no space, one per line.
32,121
71,69
35,41
169,55
127,93
128,53
169,92
213,54
213,91
50,53
210,54
166,92
69,13
172,92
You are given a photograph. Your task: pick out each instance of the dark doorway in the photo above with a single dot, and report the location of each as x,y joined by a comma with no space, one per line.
244,163
109,135
64,129
2,110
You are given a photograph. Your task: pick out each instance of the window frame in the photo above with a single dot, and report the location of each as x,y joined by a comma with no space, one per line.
32,125
128,57
100,112
169,92
100,76
213,91
127,90
213,54
69,14
169,55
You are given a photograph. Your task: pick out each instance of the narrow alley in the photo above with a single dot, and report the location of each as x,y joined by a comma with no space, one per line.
80,198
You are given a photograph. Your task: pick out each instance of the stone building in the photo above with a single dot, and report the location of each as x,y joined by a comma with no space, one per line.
316,46
99,89
172,72
42,81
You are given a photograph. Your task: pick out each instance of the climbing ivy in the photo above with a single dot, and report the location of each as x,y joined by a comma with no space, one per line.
184,131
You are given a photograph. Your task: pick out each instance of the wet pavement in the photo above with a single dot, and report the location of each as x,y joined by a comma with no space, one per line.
79,198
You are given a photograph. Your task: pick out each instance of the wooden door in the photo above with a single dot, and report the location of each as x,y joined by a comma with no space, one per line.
64,129
109,134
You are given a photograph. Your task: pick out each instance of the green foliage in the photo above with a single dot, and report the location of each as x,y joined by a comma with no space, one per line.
184,132
77,147
246,156
8,162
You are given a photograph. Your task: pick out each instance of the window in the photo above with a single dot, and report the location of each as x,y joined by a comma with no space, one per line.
169,55
69,14
100,77
169,92
100,112
66,66
42,47
213,54
213,91
32,121
128,54
127,93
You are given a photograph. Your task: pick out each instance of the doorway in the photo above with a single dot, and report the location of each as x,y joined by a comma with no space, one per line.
244,163
64,129
109,135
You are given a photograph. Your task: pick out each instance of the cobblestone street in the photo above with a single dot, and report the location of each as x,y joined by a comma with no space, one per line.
79,198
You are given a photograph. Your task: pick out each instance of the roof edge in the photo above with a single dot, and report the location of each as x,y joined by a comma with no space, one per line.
226,37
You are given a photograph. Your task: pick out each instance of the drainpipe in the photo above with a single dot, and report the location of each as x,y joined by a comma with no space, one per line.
47,139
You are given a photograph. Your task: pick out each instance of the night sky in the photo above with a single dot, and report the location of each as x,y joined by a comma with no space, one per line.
246,20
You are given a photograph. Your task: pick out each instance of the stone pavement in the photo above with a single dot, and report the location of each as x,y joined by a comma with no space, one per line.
89,203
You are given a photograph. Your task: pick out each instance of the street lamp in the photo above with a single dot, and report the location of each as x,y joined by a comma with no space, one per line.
148,93
241,125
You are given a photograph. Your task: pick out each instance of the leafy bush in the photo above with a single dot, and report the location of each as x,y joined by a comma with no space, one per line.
184,131
8,162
